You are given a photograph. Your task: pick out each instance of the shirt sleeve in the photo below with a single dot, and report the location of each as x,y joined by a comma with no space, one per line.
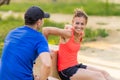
42,45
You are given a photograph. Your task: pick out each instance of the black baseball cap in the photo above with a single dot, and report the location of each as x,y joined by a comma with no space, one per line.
34,13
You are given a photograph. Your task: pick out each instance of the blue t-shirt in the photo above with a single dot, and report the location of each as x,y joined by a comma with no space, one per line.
22,46
0,64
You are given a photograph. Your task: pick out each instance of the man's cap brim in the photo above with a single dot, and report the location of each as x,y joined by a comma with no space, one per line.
46,15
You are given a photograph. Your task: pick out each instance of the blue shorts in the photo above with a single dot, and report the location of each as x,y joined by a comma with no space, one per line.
67,73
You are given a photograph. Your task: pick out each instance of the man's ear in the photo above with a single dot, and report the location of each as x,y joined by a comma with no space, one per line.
39,22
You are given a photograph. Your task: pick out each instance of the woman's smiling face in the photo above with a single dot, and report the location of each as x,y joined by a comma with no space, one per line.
79,24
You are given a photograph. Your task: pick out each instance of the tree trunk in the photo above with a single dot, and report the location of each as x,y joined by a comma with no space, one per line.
2,2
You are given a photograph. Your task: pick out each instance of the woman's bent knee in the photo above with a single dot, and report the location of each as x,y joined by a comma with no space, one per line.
99,76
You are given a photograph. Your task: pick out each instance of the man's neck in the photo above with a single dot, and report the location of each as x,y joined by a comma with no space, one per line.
32,26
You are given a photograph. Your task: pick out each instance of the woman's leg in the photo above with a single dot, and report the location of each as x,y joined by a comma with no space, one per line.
53,75
86,74
54,71
106,74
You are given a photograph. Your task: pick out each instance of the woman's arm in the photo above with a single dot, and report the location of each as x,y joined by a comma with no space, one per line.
56,31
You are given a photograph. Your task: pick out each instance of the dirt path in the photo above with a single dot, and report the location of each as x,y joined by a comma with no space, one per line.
113,1
110,22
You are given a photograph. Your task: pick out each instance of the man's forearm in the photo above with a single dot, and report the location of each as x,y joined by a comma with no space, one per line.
45,72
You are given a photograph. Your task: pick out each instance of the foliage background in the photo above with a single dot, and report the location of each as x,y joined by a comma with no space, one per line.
92,7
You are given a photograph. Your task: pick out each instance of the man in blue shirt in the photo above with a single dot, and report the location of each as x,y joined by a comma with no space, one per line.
23,45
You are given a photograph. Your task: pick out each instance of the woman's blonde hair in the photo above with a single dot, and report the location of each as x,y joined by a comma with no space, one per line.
78,12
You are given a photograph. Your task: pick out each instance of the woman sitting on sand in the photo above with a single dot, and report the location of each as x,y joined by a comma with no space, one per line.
70,40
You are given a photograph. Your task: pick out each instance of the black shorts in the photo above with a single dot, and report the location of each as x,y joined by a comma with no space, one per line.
67,73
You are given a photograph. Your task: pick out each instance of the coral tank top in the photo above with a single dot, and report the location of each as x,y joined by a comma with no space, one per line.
67,54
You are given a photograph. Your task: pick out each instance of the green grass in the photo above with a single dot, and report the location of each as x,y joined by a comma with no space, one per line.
92,7
1,46
11,23
92,35
7,25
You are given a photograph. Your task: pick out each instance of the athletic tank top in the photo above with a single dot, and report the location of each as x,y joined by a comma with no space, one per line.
67,54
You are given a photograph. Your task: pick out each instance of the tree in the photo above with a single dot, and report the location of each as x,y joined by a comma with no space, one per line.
2,2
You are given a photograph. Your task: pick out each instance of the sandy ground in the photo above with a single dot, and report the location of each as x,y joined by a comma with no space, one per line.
112,1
